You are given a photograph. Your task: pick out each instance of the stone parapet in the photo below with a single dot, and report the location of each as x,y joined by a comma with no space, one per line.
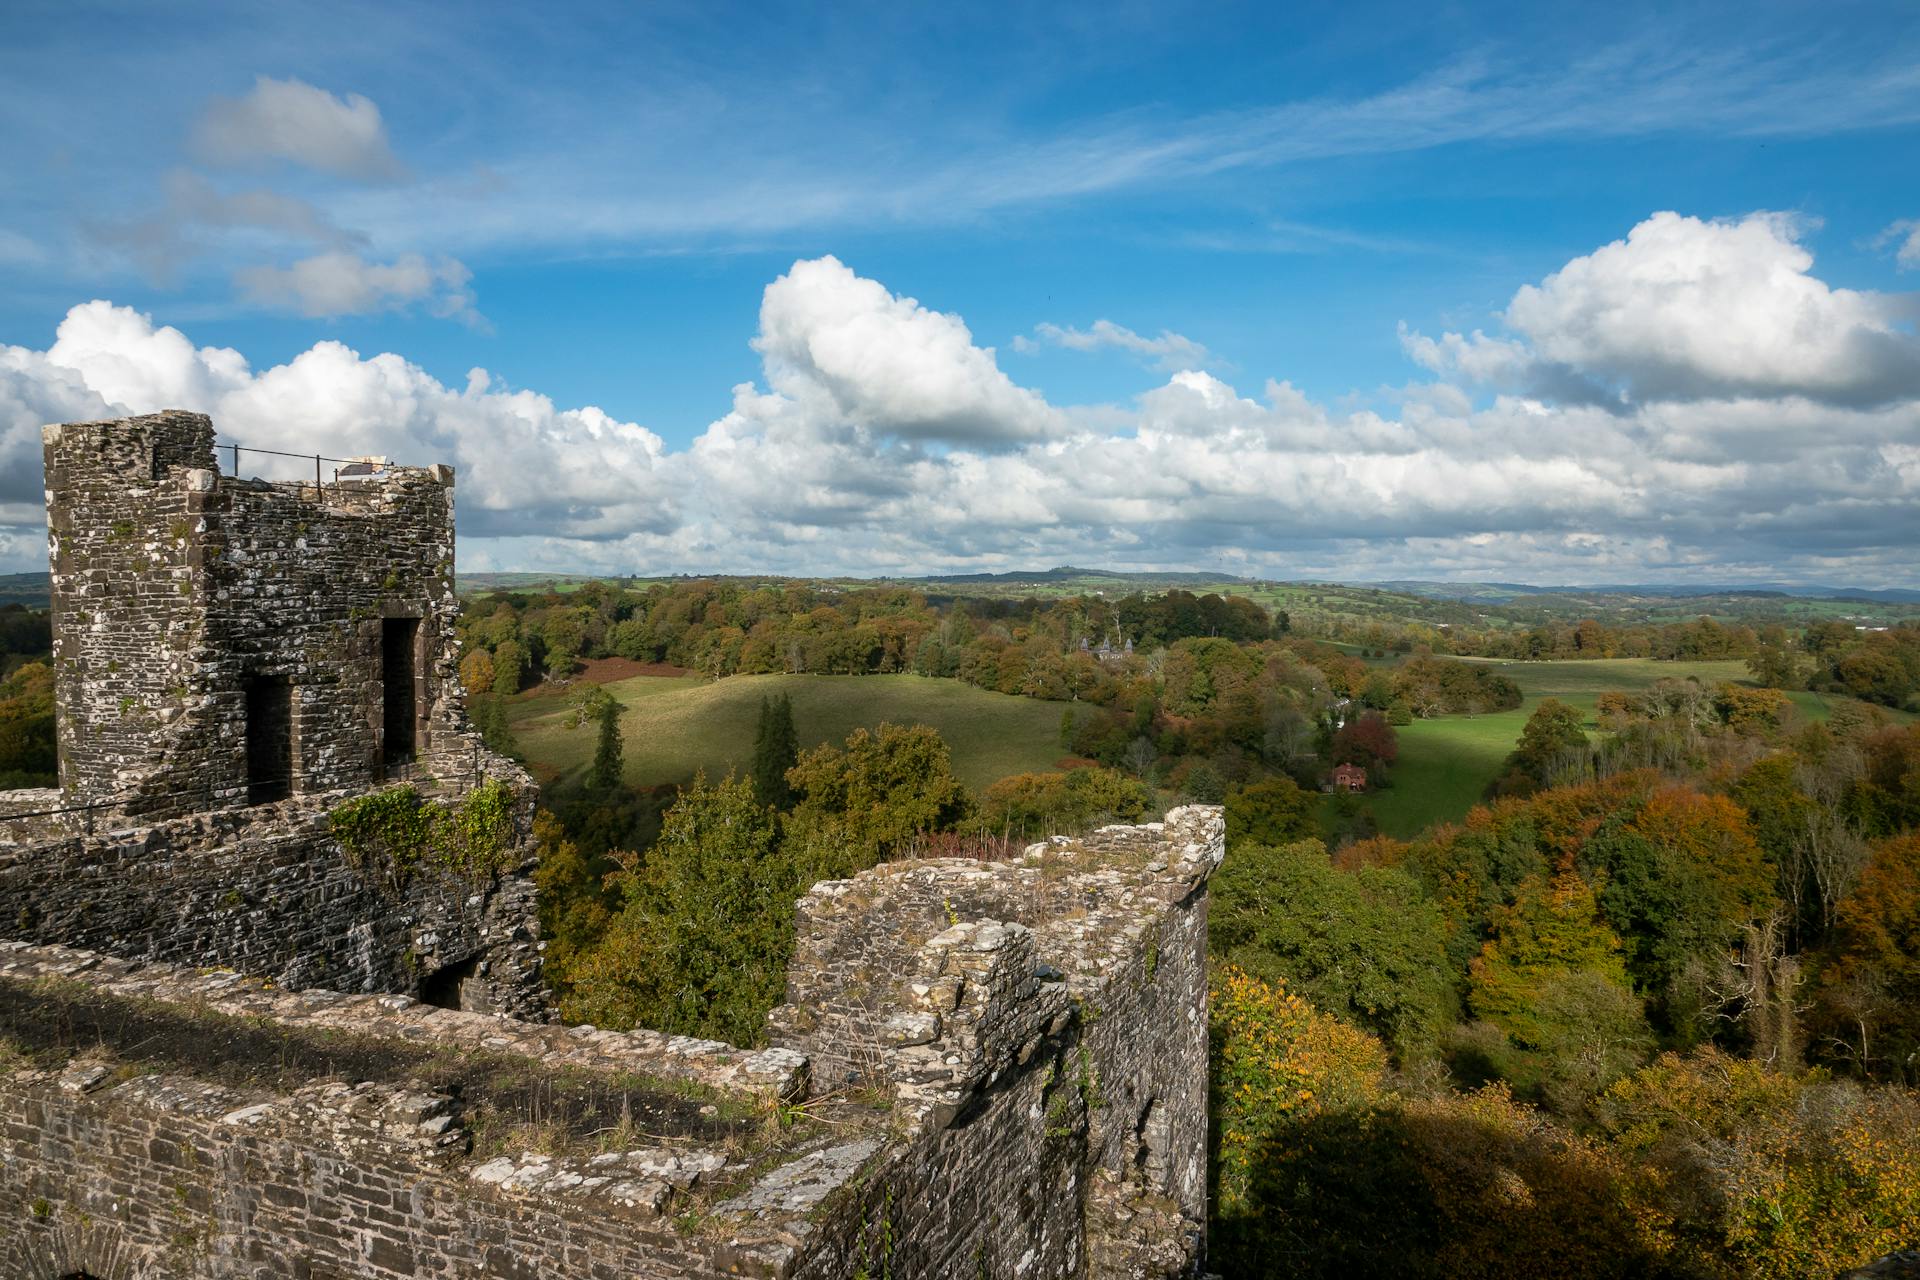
1039,1024
1027,1042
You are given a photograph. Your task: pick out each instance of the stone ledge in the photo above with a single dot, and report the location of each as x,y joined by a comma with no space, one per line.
764,1074
396,1129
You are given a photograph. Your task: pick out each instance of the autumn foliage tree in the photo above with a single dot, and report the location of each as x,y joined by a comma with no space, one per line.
1036,804
1276,1059
1366,740
28,757
1553,978
1274,811
476,671
866,800
1737,1171
1680,879
1869,990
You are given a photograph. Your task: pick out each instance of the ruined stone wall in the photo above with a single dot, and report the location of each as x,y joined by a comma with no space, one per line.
121,544
1028,1103
173,585
1044,1024
138,1175
269,891
175,589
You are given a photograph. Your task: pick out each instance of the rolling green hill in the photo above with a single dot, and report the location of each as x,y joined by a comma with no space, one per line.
674,725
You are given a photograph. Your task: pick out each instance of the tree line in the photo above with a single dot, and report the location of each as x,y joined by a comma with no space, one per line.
27,748
1656,1012
1191,694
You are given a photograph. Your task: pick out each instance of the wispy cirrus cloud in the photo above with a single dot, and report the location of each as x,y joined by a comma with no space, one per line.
341,283
308,127
293,121
1167,350
1904,238
596,187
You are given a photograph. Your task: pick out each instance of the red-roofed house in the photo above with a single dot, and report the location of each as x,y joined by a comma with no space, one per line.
1349,777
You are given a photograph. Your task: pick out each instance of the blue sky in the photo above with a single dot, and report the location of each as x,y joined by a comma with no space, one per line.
598,205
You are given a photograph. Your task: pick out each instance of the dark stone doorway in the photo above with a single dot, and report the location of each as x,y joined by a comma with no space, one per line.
398,650
269,739
453,987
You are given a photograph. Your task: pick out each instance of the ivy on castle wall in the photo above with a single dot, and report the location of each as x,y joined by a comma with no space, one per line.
393,834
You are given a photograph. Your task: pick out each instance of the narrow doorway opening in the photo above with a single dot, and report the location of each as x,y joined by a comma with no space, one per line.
452,987
397,661
269,739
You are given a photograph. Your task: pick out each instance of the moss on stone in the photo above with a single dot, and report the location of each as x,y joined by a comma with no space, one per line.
395,832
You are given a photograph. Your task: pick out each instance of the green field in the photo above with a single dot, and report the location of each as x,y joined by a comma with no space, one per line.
1446,763
674,726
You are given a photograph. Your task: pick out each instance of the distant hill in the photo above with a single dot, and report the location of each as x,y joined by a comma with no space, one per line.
1069,573
1667,600
476,583
1502,592
30,589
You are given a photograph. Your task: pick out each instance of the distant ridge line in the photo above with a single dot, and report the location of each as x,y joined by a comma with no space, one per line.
31,588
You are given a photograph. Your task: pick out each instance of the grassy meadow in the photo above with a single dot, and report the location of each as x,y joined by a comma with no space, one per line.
1446,763
675,725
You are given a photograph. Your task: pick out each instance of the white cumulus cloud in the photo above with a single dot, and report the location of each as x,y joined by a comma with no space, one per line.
293,121
1691,308
1685,307
882,438
525,465
887,363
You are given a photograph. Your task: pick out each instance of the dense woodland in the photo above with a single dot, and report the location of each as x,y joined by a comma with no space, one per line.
1649,1010
1653,1008
26,698
1193,694
1662,1018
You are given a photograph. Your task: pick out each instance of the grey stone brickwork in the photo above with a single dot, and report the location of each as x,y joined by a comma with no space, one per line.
174,586
1030,1104
268,890
994,1071
1041,1025
179,594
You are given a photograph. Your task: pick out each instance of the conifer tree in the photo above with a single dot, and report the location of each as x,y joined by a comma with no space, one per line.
776,749
598,705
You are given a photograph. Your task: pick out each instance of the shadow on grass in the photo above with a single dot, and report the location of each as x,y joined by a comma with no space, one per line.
1429,1190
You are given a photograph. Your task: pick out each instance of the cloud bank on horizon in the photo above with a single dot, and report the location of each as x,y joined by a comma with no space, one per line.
1689,402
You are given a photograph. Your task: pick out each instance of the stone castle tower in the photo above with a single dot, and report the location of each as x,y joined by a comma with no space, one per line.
222,642
233,661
